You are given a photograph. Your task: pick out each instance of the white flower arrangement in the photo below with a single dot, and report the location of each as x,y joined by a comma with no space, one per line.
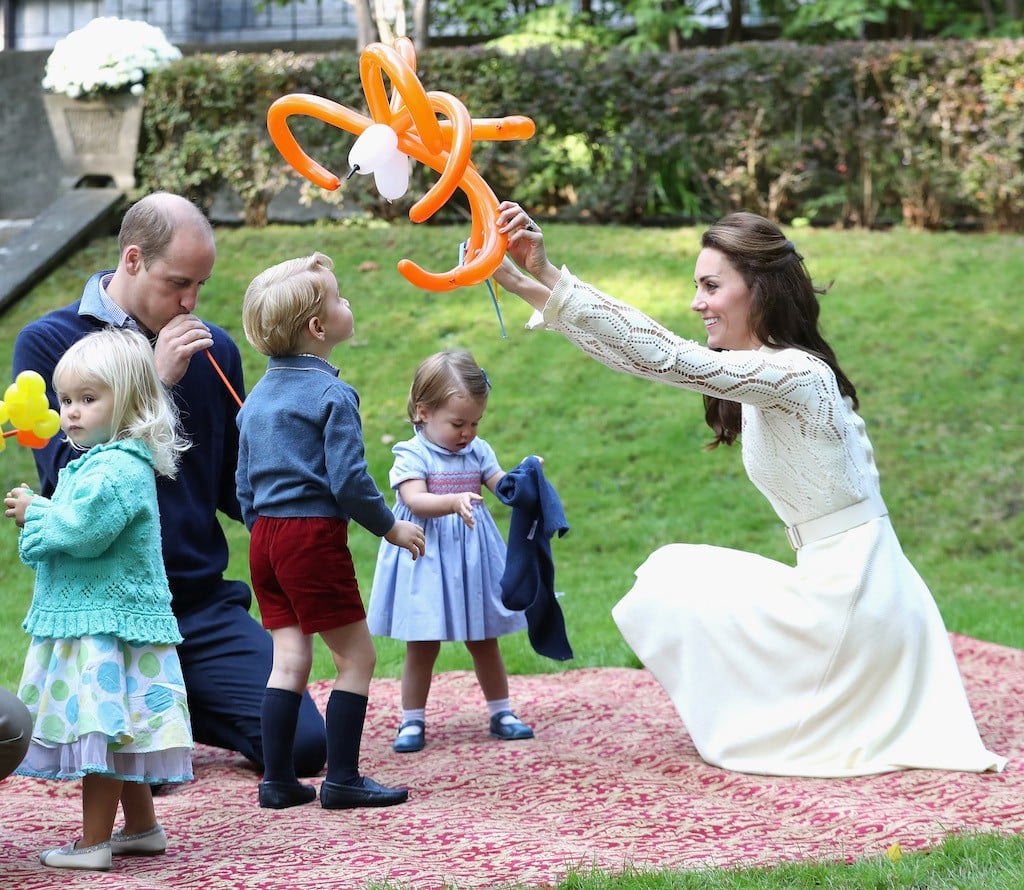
108,55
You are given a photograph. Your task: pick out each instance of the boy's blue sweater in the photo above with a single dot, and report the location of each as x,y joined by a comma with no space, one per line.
301,449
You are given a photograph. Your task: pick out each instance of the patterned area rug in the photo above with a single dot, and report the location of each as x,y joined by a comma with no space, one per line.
611,781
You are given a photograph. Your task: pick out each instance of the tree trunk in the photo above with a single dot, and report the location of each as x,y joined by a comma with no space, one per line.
988,15
734,30
421,23
366,28
387,28
674,38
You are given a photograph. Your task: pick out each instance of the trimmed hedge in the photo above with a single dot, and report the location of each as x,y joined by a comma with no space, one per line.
854,134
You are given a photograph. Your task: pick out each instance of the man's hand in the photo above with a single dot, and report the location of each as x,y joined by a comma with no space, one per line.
180,339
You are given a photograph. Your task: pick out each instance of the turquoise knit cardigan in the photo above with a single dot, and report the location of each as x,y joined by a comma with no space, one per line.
95,547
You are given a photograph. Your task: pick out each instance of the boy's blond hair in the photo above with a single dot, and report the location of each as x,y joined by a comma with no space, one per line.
280,301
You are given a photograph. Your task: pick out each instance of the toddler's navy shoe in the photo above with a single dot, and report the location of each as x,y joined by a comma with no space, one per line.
412,736
506,725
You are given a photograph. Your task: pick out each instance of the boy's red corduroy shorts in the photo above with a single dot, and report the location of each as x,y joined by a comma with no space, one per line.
302,573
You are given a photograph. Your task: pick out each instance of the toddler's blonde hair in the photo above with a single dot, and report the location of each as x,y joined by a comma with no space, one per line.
280,301
122,360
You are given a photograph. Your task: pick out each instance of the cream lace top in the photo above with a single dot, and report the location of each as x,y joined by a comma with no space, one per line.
804,447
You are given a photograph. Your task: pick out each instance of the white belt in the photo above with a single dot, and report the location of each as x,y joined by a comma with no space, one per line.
804,533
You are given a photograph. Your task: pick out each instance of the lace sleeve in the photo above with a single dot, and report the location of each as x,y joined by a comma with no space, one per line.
625,339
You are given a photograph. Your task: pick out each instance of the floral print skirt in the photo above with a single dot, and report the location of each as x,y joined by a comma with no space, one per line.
102,705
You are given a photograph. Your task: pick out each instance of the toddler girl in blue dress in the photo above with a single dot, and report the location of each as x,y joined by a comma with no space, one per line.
102,680
453,592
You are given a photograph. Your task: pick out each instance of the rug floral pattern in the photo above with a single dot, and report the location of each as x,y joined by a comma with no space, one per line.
612,780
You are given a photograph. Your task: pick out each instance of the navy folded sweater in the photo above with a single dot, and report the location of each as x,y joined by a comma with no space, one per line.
529,579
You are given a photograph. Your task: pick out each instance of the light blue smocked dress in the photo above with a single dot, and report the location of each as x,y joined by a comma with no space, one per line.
453,592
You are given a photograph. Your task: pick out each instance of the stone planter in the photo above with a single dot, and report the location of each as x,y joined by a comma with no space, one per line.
96,137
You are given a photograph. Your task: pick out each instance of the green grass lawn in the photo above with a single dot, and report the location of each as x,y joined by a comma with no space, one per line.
928,326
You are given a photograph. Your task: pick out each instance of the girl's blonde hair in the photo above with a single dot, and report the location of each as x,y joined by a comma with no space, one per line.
280,301
122,360
443,376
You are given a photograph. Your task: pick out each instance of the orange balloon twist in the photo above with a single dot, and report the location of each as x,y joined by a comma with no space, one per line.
444,144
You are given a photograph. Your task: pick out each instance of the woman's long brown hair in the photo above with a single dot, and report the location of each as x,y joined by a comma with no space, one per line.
784,305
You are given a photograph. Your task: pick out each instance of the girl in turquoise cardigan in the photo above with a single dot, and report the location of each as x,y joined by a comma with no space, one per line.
102,680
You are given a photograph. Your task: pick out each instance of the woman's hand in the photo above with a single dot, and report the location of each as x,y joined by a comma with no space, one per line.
526,243
510,277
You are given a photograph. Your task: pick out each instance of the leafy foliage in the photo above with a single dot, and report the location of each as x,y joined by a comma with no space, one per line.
840,18
851,133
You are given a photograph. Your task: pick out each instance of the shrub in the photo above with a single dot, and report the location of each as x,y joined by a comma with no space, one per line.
854,134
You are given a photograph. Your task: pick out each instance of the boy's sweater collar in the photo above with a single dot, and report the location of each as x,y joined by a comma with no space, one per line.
304,362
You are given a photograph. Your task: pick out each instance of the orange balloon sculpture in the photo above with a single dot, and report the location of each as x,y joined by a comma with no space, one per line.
445,145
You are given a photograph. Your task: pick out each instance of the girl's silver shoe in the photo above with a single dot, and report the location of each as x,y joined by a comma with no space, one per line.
95,858
145,843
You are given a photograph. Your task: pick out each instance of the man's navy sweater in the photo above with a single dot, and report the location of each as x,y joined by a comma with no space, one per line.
195,549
